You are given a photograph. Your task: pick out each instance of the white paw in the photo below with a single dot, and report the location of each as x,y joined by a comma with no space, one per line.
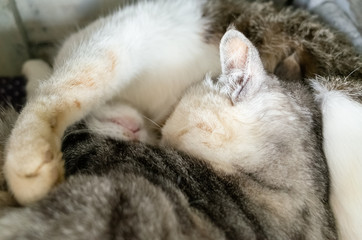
33,164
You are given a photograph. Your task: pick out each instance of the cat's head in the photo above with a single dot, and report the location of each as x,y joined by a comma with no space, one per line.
232,118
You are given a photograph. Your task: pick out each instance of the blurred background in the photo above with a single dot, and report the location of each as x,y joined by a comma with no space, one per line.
34,28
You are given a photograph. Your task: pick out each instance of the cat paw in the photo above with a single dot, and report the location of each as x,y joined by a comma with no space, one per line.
32,167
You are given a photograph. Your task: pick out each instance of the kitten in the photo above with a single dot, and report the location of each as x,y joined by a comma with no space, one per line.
261,173
145,56
268,132
135,55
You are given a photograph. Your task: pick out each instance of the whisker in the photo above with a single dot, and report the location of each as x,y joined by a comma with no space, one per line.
351,73
156,124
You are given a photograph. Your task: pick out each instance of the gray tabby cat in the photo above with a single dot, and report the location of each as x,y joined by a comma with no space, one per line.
260,172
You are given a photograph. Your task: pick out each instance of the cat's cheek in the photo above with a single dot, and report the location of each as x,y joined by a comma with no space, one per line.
204,146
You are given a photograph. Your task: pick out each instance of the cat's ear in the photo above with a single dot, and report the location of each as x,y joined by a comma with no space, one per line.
240,63
238,54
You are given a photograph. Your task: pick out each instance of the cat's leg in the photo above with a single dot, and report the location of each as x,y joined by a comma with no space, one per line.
342,134
88,71
34,161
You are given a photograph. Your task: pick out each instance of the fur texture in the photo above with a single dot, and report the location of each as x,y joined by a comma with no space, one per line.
260,171
342,131
145,56
147,62
248,123
136,54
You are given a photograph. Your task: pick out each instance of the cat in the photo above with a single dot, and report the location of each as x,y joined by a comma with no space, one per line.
260,172
114,119
147,54
144,56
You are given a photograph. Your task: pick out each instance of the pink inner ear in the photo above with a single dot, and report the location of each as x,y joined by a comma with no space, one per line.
237,53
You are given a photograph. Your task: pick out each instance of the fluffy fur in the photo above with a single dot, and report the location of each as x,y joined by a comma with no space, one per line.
136,54
145,56
260,173
248,123
342,131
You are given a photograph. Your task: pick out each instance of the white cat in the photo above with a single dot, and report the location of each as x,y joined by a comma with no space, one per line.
135,56
115,119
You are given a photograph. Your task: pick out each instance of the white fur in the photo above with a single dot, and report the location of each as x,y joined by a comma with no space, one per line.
145,55
160,52
120,121
114,119
342,131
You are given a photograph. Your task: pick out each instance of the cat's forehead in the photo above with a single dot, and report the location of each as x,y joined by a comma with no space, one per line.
207,102
205,95
211,91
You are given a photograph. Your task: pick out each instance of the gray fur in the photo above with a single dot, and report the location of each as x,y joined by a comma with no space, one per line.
278,33
118,190
115,206
125,190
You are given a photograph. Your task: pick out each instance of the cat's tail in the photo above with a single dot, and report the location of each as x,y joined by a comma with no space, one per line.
342,137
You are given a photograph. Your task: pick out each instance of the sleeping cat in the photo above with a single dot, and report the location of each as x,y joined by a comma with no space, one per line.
143,57
260,172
